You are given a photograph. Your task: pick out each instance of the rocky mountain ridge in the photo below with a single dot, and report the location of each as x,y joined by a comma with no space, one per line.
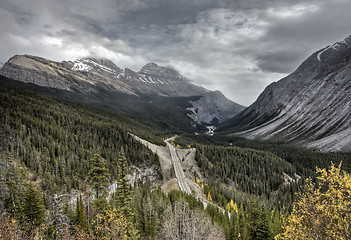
91,76
311,106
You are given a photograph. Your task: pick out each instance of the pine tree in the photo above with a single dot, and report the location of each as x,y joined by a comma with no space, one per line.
81,219
123,193
14,184
257,223
98,176
34,206
263,232
123,196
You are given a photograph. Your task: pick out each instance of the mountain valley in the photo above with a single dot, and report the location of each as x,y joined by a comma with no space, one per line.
87,140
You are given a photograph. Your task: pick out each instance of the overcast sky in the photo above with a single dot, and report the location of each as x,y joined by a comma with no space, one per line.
235,46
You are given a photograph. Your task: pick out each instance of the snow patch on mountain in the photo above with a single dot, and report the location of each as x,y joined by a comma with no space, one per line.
87,65
80,66
211,130
321,52
102,67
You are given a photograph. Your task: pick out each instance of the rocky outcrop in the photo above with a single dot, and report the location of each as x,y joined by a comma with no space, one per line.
213,107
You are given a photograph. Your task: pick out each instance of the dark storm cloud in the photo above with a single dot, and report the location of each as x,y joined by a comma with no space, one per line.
236,46
280,60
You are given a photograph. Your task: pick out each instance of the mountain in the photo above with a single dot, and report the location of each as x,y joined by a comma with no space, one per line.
311,106
209,108
101,82
70,76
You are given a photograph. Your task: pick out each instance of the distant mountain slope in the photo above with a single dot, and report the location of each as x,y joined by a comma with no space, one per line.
104,82
310,106
56,139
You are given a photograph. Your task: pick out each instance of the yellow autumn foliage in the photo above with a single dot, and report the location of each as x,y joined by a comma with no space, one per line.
227,207
111,225
9,228
323,210
209,198
234,206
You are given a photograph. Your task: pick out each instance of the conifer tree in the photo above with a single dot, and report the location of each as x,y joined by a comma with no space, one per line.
123,193
123,196
14,184
257,223
34,206
98,176
81,219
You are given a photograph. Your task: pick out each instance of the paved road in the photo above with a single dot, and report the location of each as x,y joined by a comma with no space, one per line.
178,168
181,177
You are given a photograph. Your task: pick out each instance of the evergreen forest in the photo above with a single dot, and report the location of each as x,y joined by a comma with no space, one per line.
70,171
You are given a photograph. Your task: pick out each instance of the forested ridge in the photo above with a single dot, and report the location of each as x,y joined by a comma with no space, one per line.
302,159
253,171
249,171
56,140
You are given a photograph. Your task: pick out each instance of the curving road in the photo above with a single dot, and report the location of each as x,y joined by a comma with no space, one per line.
181,177
178,168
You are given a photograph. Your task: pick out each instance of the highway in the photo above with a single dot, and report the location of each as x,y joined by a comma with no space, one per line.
181,177
178,168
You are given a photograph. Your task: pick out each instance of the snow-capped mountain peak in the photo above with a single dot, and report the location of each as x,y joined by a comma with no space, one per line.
79,65
91,76
96,65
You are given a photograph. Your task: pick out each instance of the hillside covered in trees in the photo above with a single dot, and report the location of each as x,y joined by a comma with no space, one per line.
56,140
69,171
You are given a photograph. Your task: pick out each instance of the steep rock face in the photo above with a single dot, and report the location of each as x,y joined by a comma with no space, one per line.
35,70
213,107
310,106
96,76
164,81
46,73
